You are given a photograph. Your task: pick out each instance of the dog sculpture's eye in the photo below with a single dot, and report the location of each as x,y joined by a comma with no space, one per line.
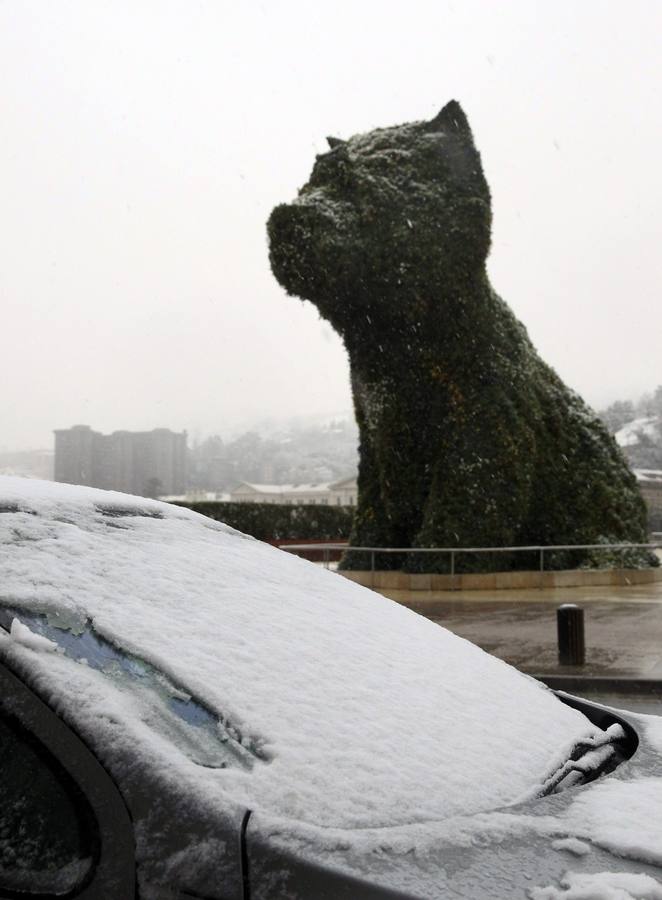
389,161
383,163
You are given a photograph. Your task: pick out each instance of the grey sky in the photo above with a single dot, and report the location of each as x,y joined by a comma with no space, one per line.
145,143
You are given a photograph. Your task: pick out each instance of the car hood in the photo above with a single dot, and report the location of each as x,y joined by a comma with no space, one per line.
601,840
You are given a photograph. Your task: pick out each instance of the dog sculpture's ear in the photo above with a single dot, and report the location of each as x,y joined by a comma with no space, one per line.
450,119
334,142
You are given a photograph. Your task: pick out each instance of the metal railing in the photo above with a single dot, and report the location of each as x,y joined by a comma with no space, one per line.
455,552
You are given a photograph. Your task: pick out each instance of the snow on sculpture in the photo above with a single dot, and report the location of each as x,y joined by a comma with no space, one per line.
467,438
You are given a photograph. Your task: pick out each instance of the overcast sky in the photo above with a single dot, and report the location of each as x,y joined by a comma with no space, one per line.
145,143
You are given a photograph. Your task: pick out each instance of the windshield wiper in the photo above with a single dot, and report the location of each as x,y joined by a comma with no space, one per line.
589,759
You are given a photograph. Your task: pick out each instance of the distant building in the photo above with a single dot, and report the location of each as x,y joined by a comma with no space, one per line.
147,463
335,493
197,495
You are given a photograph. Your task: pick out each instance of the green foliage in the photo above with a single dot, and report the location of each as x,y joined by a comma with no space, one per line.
279,522
467,439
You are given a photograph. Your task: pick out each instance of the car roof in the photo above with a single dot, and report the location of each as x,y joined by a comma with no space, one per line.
358,712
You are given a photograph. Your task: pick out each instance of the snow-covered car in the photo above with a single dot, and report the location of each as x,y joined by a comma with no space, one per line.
186,712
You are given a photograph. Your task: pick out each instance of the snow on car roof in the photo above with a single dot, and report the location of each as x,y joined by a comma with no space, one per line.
365,713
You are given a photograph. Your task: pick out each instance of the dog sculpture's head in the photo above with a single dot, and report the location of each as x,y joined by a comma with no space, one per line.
397,214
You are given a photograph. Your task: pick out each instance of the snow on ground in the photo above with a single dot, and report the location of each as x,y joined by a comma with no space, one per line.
648,474
365,714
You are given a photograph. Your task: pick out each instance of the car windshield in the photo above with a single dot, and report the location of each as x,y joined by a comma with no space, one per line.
314,687
207,738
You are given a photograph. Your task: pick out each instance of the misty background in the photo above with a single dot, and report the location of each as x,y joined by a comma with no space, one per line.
145,144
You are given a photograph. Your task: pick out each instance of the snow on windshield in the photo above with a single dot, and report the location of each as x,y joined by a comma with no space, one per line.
367,714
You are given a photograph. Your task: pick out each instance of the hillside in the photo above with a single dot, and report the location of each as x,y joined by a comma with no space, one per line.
637,427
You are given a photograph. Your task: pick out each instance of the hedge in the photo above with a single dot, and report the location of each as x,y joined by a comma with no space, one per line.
280,522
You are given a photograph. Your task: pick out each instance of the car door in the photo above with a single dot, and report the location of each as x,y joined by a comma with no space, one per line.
64,829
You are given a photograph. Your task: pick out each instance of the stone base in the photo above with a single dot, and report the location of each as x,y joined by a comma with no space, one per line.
494,581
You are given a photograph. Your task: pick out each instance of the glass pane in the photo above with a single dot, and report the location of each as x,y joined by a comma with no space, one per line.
46,827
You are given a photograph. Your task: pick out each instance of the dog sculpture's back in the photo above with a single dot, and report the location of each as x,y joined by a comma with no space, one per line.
466,437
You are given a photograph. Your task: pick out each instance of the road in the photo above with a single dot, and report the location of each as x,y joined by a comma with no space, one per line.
623,628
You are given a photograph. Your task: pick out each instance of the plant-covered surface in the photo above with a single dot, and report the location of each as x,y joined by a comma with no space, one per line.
467,438
280,522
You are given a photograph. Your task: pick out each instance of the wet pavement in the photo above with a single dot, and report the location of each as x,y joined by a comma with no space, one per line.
623,627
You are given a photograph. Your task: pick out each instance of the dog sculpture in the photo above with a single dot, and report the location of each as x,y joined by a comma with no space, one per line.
467,438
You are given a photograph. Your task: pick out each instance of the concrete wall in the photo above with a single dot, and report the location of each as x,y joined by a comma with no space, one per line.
651,491
494,581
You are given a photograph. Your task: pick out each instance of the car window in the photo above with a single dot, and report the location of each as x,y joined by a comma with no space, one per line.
207,739
47,830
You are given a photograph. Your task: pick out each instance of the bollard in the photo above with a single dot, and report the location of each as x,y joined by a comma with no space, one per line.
570,627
